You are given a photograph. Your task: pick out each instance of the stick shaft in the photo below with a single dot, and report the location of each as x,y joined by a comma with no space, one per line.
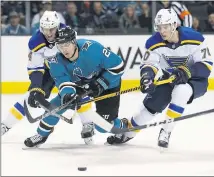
118,131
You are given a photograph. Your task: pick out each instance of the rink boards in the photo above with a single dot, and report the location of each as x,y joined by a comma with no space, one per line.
130,48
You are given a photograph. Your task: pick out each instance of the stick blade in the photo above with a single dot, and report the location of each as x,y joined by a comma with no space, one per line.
28,115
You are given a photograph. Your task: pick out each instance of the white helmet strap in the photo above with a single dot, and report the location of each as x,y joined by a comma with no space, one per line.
173,26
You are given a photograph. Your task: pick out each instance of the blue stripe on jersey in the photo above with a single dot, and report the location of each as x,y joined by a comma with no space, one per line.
20,108
36,68
176,108
134,124
211,63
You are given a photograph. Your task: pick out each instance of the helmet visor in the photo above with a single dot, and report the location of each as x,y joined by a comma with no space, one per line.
64,45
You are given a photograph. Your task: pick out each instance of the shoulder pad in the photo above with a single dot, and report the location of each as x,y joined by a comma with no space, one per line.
154,42
37,42
190,36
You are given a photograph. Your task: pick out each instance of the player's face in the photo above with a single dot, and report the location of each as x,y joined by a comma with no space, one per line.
67,49
49,34
165,31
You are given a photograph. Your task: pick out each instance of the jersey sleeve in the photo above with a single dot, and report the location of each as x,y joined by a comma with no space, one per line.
36,60
111,64
151,59
64,85
203,61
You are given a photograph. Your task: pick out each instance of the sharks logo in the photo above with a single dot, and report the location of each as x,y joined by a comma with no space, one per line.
79,74
86,45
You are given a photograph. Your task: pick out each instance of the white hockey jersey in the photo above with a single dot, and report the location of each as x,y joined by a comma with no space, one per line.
38,47
39,50
191,51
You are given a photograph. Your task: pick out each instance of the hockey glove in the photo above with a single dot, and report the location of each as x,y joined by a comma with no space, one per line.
36,94
71,96
97,86
147,82
182,75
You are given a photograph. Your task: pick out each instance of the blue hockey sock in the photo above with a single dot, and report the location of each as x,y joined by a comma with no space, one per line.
116,122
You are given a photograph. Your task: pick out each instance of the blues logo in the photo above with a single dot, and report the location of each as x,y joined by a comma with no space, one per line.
175,61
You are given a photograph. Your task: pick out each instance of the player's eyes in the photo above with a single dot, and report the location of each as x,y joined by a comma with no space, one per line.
67,44
163,27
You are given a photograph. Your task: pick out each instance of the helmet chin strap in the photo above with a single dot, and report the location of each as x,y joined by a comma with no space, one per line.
173,31
73,53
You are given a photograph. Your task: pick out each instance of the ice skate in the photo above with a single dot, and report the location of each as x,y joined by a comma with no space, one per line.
4,129
87,133
163,139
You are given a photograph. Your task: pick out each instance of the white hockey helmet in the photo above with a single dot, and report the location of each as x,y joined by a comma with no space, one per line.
166,16
49,20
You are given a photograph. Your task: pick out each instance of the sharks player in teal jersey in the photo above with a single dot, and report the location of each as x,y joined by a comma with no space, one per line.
83,65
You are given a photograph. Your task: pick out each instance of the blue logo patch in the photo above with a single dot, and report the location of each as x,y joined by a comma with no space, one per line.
174,61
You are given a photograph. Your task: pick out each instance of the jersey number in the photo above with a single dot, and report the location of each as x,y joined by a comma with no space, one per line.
205,52
146,55
106,52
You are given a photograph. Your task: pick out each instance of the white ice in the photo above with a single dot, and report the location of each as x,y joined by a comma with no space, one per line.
191,149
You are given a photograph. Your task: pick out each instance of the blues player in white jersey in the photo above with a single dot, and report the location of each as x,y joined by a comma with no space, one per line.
171,51
82,66
41,82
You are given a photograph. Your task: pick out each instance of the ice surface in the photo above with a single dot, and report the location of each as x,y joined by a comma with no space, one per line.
191,149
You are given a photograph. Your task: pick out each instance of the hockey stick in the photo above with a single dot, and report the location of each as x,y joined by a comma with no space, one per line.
119,131
54,109
50,110
128,90
70,121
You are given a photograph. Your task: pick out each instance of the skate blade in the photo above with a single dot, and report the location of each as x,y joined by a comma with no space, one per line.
28,148
107,144
115,144
163,150
89,141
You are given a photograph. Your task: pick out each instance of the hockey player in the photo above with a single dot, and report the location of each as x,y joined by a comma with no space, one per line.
82,65
41,81
178,51
41,46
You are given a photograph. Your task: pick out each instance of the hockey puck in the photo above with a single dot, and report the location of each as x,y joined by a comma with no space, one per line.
82,168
